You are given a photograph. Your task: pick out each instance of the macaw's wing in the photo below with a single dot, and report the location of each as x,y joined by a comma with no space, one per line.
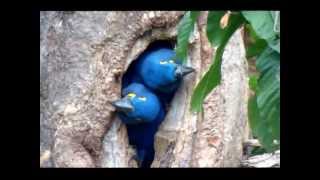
142,137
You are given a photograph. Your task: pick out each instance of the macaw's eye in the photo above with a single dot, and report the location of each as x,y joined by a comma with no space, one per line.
163,62
131,95
142,98
171,61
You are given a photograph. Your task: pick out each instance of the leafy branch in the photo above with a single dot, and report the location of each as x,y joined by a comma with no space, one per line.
264,30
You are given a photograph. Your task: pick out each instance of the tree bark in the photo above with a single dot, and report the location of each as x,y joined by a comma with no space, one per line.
83,56
266,160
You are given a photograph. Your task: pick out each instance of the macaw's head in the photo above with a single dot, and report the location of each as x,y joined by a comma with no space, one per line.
138,104
159,69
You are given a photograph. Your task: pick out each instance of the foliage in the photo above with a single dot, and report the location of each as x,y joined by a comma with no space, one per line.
186,27
213,77
264,31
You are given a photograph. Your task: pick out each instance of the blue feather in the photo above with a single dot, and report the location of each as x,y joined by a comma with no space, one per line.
156,71
142,137
143,122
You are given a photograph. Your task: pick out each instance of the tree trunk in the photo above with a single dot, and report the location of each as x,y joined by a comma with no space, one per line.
83,56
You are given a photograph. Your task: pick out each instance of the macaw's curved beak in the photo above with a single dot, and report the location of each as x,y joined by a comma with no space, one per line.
183,70
123,105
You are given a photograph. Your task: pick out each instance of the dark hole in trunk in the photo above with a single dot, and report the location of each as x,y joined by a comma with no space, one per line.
126,80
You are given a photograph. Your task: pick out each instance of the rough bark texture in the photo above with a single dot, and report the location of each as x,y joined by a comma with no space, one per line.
213,138
82,58
266,160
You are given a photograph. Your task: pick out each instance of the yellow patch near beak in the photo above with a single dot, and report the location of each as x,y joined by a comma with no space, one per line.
131,95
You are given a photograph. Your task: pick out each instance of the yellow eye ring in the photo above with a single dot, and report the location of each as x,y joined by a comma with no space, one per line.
131,95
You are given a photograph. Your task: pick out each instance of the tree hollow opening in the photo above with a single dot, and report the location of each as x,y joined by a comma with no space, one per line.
127,79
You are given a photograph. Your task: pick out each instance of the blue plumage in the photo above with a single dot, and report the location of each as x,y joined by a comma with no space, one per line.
157,70
142,136
142,112
160,72
146,105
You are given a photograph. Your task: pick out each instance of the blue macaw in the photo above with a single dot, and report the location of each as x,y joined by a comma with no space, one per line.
147,87
138,104
160,72
142,112
157,70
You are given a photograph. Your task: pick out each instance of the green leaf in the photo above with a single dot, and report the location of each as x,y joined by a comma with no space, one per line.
260,128
268,59
264,24
256,48
258,151
214,32
213,76
257,45
274,43
186,27
253,82
211,79
267,100
254,116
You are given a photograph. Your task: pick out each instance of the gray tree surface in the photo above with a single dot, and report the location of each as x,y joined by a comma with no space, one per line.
83,56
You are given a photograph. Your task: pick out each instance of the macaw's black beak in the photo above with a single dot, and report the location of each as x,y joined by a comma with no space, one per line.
183,70
123,105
